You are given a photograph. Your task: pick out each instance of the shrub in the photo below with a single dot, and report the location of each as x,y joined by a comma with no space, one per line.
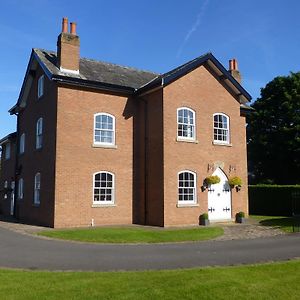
212,180
274,200
204,216
240,214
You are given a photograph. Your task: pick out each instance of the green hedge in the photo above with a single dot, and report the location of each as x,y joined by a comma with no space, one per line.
274,200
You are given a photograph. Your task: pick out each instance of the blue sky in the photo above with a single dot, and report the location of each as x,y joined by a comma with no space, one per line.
156,35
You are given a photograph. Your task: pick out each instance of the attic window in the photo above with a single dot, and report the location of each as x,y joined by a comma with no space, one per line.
41,86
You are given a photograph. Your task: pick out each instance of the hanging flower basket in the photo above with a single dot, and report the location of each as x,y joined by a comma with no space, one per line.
235,182
212,180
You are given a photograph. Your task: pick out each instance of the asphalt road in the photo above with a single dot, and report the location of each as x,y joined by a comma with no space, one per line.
29,252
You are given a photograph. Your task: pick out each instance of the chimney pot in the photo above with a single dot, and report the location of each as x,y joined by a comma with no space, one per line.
233,64
64,25
233,69
73,28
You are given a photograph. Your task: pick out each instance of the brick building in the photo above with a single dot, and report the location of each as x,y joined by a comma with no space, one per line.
99,143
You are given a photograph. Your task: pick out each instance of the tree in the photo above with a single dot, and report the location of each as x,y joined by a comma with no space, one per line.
274,133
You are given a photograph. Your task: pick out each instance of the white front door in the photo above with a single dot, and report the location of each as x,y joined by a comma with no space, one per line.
12,198
219,198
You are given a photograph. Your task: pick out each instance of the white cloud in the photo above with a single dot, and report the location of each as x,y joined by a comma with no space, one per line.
194,27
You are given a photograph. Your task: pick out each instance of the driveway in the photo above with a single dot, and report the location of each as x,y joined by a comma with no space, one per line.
29,252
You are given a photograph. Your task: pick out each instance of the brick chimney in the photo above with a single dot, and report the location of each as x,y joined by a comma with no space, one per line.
234,71
68,48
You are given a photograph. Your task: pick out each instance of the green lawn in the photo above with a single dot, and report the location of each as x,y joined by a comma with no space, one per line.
134,234
283,223
269,281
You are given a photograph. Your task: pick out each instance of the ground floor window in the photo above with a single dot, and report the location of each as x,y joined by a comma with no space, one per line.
103,188
20,188
37,189
186,187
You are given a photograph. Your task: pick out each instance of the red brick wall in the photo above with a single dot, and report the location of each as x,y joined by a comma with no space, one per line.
7,174
154,159
38,160
202,92
77,160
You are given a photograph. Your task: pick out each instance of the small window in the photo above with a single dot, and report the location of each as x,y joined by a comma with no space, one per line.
103,188
37,189
41,86
7,151
186,187
39,133
20,188
5,187
104,129
22,143
221,129
185,124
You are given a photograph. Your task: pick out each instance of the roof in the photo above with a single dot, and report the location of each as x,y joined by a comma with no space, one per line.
121,79
211,63
8,137
98,71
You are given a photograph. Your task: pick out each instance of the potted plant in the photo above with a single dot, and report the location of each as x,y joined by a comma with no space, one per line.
203,219
240,217
235,182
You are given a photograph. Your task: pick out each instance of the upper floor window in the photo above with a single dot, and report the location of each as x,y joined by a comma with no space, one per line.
187,187
104,129
186,124
39,134
22,143
221,129
20,188
41,86
7,151
37,189
104,188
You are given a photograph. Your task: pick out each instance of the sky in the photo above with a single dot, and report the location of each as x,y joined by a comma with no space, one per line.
156,35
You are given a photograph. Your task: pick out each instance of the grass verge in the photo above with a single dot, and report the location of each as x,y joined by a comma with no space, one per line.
283,223
134,234
267,281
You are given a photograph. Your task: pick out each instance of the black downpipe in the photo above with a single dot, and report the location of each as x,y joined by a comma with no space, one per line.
145,163
16,173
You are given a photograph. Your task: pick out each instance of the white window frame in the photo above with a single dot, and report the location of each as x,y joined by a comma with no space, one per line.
104,129
190,126
22,144
41,84
182,201
37,189
112,188
20,188
39,134
7,150
227,130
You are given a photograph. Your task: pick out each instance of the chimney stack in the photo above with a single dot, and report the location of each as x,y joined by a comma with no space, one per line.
68,48
234,71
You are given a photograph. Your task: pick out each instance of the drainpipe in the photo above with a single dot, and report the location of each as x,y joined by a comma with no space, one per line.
145,161
16,166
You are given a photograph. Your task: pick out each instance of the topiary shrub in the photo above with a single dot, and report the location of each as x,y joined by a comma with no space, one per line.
203,219
240,217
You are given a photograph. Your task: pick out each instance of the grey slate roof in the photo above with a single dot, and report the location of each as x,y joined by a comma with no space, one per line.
99,71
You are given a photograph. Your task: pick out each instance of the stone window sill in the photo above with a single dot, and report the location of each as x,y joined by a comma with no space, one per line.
104,205
178,139
104,146
179,205
221,144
